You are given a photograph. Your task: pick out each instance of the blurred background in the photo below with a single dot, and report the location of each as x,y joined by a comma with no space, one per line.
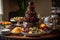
11,8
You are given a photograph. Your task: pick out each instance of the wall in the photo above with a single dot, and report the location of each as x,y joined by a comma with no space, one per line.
13,5
8,6
1,9
6,9
42,6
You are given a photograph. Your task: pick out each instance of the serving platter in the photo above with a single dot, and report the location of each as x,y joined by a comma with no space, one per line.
33,34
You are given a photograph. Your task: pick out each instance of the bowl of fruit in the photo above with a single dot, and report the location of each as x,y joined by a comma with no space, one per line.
16,19
45,28
32,31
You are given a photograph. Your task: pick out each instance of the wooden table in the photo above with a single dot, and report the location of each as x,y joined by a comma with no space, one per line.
45,36
41,37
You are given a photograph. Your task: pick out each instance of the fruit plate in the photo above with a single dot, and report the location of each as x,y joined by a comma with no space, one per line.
33,34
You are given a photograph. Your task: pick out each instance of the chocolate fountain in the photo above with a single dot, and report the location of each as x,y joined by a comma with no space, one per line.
31,15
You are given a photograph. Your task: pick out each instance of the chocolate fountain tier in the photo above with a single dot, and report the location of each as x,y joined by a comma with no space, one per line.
29,24
31,19
31,16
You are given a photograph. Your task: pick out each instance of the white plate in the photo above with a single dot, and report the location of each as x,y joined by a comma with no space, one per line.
5,31
12,20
